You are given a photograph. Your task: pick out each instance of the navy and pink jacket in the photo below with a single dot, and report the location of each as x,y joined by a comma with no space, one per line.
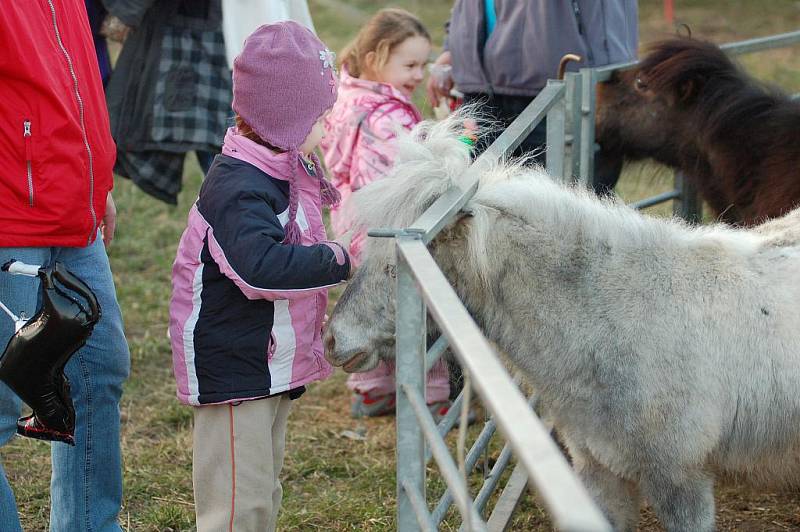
247,310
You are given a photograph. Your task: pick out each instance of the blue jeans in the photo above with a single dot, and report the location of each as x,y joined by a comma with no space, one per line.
86,482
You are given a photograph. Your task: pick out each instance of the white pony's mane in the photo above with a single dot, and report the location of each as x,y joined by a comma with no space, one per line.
431,158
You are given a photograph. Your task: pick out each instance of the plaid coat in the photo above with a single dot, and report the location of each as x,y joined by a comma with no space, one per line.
171,90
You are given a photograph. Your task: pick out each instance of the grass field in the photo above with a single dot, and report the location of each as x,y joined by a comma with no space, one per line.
332,482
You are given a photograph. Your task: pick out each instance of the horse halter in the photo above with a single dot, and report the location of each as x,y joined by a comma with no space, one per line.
32,364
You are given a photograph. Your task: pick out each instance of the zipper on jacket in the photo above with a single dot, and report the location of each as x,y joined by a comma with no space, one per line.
82,120
576,9
26,135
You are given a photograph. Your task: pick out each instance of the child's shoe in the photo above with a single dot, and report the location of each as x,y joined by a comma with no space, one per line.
364,405
440,409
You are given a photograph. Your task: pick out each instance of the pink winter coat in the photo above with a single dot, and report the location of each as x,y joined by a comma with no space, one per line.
247,309
359,138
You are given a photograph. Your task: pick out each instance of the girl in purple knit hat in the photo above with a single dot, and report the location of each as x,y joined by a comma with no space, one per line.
249,284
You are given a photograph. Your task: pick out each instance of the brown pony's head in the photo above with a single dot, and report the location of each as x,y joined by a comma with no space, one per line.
688,105
645,111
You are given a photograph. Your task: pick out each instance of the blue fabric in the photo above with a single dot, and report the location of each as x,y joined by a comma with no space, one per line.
86,482
491,16
97,13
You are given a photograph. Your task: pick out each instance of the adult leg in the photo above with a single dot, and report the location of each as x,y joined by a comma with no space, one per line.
205,159
20,294
86,486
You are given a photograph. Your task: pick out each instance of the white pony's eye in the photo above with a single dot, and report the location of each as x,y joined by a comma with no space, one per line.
390,270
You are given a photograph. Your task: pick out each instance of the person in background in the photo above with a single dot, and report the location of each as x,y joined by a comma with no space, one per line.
57,154
249,284
97,14
502,52
241,17
170,92
381,69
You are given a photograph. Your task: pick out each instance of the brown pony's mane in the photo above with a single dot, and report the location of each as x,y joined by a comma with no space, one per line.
741,136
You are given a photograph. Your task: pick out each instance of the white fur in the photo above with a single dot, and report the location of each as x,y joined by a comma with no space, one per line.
667,355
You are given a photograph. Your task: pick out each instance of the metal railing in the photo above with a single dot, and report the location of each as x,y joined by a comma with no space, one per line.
422,288
569,107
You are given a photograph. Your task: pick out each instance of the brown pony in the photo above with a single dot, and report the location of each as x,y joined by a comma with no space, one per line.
687,105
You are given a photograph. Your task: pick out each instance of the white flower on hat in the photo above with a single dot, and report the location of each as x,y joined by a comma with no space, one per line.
328,59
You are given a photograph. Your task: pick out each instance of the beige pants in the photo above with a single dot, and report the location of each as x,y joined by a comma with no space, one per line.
238,455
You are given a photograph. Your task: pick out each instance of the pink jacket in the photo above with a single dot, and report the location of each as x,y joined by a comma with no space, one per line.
359,142
247,309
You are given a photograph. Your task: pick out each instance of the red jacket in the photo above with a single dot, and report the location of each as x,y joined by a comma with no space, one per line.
56,150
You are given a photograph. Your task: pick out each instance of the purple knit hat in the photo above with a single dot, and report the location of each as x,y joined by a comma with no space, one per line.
283,82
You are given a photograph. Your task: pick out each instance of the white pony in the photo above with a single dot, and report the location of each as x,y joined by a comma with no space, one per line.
667,355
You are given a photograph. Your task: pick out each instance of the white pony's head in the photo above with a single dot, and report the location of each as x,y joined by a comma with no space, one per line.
431,159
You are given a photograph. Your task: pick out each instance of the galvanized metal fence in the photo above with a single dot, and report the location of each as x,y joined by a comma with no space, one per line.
422,289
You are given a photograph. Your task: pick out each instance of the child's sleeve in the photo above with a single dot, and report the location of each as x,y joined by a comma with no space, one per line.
376,148
245,242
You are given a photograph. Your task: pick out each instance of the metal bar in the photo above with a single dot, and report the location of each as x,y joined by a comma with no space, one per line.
508,501
451,417
494,477
733,48
443,458
420,508
490,482
688,204
445,207
604,73
556,129
448,421
655,200
573,98
762,43
435,352
588,98
409,373
562,493
481,442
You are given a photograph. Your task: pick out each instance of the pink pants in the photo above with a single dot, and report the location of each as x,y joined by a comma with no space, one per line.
380,381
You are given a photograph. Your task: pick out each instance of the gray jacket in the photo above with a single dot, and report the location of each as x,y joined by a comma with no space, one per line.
531,37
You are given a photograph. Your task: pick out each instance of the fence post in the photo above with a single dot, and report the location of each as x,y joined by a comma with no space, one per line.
688,205
410,371
556,126
588,96
573,130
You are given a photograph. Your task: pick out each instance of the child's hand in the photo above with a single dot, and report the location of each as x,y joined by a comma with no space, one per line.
114,29
440,82
470,135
